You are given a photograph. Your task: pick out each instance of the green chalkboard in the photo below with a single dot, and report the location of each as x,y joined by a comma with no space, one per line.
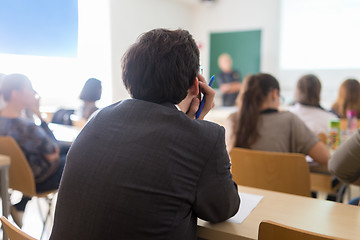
243,47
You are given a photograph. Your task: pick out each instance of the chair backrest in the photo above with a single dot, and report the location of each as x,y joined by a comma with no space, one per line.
282,172
269,230
21,177
13,232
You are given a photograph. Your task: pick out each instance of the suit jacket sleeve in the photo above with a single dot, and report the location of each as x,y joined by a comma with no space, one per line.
217,198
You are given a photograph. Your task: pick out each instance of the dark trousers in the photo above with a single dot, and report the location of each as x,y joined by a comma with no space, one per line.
49,184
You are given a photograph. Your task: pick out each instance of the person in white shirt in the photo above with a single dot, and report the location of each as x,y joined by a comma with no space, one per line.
307,105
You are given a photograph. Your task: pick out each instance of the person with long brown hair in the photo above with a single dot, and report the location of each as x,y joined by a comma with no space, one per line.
348,98
259,125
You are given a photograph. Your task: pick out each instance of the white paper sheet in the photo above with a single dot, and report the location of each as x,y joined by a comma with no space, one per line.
247,204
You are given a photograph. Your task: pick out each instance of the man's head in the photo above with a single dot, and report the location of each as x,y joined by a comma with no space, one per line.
16,85
225,62
161,66
17,88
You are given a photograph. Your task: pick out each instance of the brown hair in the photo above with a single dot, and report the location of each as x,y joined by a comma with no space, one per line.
308,90
348,98
161,66
256,89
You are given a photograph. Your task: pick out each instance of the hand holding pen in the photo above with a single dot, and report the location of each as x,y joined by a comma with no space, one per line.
207,103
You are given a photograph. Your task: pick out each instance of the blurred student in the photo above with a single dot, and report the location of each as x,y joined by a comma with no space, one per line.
37,142
345,162
259,125
90,93
144,168
228,79
348,98
2,102
307,105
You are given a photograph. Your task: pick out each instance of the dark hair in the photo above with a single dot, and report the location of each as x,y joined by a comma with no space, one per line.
13,82
308,90
256,89
161,66
91,91
348,98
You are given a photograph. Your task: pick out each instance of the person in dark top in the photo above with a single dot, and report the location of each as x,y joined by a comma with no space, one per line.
37,142
228,79
145,168
90,93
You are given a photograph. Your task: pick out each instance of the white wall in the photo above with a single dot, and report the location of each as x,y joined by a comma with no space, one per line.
131,18
319,37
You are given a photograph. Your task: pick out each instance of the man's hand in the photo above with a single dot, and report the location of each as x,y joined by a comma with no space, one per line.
194,106
232,87
210,95
191,103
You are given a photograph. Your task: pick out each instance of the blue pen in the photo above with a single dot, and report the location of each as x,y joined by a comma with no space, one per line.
202,103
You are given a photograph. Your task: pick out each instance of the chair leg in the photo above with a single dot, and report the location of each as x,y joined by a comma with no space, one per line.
48,213
340,193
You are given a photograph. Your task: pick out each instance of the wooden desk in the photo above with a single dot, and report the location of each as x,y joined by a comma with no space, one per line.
64,133
320,216
4,177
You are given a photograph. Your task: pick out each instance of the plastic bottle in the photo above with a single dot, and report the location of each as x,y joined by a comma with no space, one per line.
351,121
334,134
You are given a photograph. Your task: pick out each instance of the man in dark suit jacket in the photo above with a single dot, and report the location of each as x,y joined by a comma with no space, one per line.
144,168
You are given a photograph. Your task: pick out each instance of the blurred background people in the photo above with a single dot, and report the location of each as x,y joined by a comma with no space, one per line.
259,125
307,105
348,98
90,93
37,142
2,102
229,80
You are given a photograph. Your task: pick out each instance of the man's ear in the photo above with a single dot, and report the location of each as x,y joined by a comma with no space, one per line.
194,88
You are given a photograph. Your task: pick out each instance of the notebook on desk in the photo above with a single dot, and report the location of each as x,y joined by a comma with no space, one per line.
247,204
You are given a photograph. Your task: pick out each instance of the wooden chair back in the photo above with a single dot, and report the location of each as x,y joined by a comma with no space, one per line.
21,177
282,172
13,232
269,230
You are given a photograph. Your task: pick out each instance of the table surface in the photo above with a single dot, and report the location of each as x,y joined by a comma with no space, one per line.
64,133
315,215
